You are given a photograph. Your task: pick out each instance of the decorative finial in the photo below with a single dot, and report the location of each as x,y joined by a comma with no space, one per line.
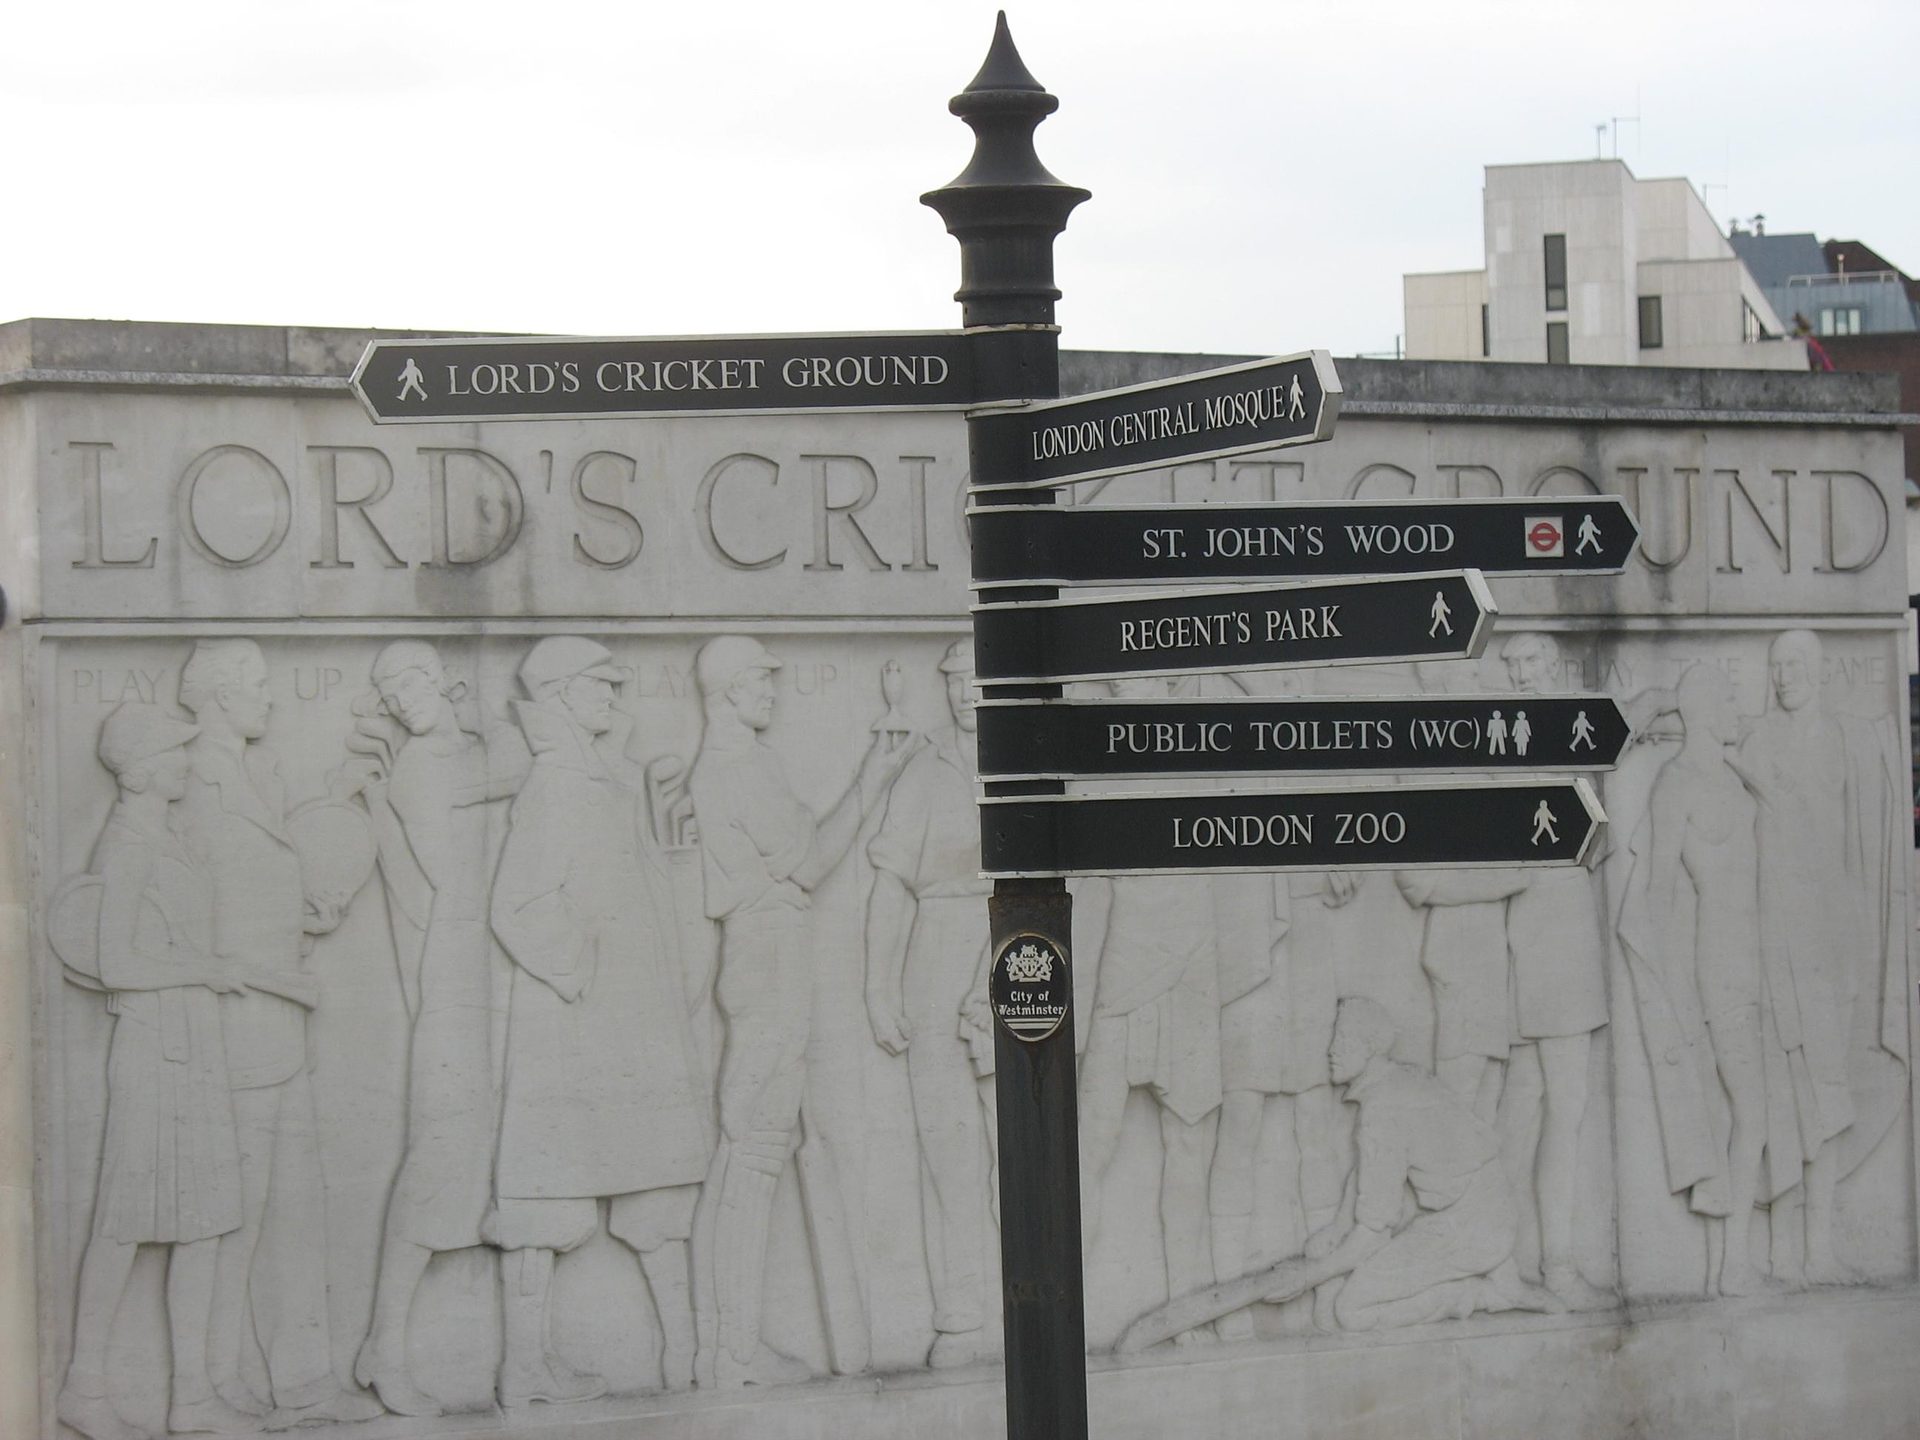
1005,208
1004,69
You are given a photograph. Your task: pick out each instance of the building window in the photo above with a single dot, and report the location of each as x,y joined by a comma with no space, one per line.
1557,342
1486,335
1751,330
1651,337
1840,322
1556,256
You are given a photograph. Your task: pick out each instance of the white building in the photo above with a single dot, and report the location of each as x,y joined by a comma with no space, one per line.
1587,265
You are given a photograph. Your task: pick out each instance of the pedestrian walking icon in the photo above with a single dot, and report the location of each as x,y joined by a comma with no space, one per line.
411,378
1543,825
1589,536
1296,402
1496,735
1441,610
1522,732
1582,732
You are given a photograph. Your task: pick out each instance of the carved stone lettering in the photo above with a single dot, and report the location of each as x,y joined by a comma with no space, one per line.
1859,528
1772,517
609,515
735,469
491,505
328,459
94,524
843,515
231,464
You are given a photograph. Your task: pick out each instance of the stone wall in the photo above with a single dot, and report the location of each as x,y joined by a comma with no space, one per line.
498,882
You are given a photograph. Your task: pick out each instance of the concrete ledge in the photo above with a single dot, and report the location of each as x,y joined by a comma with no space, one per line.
1828,1363
43,352
1442,388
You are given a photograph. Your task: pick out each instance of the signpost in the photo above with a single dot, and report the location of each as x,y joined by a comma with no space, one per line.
1102,545
1445,616
1489,823
1411,588
1105,739
573,378
1005,210
1262,405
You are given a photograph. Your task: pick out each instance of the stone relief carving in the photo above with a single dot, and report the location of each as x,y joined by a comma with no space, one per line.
1155,1007
1276,1022
568,906
927,942
1701,1021
427,785
138,926
1427,1223
1517,963
763,853
604,1097
1827,1065
269,1347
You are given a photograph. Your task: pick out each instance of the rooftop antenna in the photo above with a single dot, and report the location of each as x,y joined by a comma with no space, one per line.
1599,140
1634,120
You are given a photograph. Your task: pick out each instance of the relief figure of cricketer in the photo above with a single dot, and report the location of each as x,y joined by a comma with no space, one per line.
927,939
604,1095
762,854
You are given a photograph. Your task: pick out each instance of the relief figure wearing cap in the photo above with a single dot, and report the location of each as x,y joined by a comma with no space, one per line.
927,939
138,926
428,785
233,818
762,852
604,1094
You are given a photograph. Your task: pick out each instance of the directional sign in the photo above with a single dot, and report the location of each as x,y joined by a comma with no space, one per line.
1258,406
1240,735
1443,616
1492,823
1101,545
561,378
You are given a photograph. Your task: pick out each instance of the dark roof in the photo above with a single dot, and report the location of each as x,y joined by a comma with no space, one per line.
1773,258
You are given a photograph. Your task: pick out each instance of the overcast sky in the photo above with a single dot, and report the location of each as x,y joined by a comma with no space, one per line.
1262,173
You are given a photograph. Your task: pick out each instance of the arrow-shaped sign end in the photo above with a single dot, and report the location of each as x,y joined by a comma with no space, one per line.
1596,816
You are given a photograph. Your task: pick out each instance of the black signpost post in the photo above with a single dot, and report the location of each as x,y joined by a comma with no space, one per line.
1005,209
